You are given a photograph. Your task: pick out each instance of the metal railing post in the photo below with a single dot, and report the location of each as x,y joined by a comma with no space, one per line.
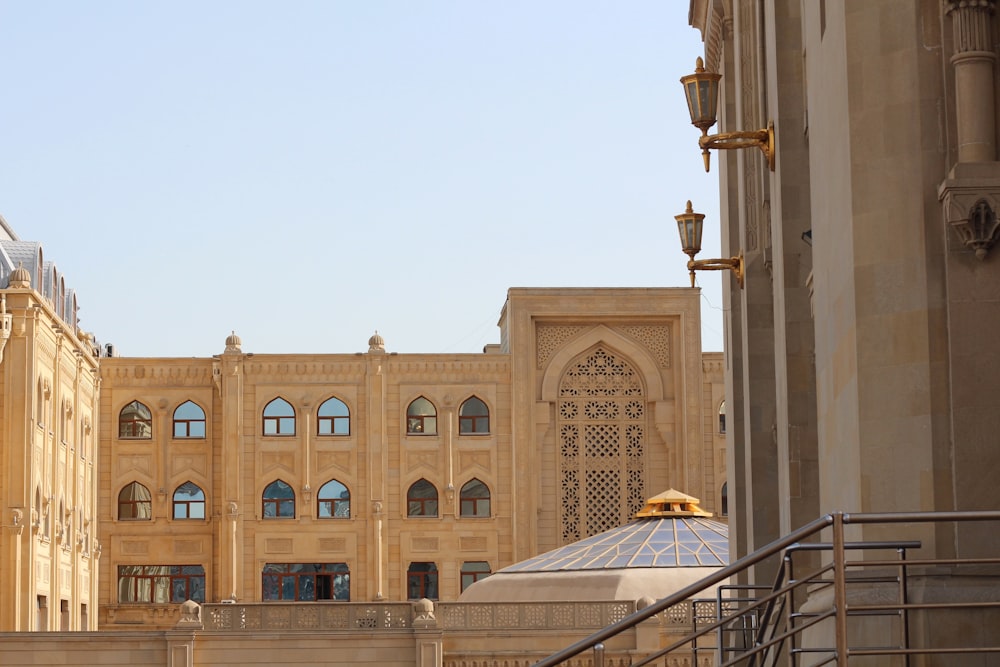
598,655
905,599
840,588
789,609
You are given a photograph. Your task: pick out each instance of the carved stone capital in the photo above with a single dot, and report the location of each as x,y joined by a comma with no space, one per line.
971,24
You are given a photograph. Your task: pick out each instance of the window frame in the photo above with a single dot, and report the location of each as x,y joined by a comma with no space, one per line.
176,575
147,421
470,424
188,504
334,502
298,579
427,579
277,502
333,421
135,504
474,575
279,421
465,497
421,423
187,423
422,502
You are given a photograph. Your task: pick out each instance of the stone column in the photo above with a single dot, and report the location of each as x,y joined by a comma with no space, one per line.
228,376
972,30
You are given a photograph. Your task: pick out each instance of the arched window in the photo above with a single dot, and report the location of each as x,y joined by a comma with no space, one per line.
135,503
474,499
189,502
189,421
473,571
722,417
333,418
421,417
422,581
725,499
279,418
334,501
473,417
135,421
422,499
279,501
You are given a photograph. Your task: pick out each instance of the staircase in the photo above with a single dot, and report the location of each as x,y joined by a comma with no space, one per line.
879,602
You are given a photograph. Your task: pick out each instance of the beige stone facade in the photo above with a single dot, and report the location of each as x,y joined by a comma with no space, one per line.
49,543
218,474
858,374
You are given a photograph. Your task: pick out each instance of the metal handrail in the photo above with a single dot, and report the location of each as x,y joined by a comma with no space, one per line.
839,612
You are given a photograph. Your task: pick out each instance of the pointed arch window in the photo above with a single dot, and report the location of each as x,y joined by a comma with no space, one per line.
279,501
135,503
135,422
473,417
334,501
279,418
422,499
725,499
189,420
474,499
189,501
333,418
421,417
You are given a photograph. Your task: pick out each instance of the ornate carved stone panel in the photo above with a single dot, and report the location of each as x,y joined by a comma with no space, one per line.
601,425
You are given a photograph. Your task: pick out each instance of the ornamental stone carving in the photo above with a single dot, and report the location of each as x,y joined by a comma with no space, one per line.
970,207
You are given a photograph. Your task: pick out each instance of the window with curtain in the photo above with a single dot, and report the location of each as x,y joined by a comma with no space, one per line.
135,503
421,417
161,584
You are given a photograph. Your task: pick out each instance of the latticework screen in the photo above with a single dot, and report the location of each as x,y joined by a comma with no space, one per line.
601,426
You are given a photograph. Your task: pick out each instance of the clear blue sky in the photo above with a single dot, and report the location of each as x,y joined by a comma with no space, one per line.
305,172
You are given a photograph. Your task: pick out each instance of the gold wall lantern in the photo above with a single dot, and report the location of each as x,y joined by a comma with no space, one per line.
690,225
702,92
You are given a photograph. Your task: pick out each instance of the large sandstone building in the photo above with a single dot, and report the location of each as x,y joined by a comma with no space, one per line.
133,484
